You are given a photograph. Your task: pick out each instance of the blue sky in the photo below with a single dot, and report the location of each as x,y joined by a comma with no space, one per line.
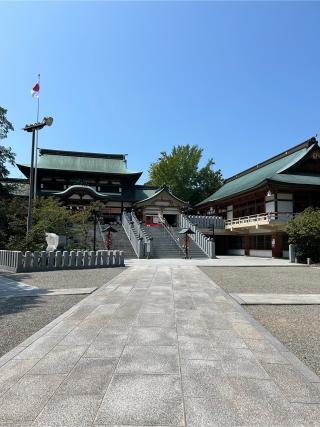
240,79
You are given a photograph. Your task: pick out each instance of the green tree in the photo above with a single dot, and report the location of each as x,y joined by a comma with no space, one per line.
6,155
5,125
49,215
180,171
83,221
304,233
52,216
16,217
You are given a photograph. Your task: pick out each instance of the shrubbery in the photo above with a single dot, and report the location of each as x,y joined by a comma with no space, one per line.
304,233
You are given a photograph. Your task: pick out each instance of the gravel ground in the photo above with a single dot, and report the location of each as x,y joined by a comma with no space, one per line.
66,278
296,326
21,317
266,279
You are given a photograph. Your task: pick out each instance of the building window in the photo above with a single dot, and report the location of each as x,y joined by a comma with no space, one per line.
262,242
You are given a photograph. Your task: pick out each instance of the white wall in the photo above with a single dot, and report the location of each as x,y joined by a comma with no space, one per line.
267,253
285,254
230,212
285,206
270,206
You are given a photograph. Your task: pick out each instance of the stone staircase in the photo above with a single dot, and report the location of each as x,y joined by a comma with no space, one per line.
164,246
121,242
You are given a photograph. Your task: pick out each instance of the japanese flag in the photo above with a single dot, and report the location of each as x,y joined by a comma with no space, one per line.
35,90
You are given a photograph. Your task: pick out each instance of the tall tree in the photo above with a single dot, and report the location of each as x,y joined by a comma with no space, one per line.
6,154
181,172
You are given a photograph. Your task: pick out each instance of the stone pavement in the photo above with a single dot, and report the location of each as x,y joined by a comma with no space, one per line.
276,299
220,261
156,346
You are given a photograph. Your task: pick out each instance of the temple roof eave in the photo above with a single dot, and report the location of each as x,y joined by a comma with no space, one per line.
156,194
25,169
84,189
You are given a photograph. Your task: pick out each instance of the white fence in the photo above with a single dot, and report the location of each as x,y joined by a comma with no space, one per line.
203,221
17,261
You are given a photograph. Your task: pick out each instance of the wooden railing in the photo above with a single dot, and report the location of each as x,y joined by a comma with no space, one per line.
266,218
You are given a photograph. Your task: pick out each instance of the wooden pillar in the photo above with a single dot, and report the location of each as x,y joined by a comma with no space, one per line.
247,244
277,245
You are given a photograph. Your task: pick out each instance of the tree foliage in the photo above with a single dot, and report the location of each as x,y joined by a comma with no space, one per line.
304,233
83,221
49,215
6,154
180,171
5,125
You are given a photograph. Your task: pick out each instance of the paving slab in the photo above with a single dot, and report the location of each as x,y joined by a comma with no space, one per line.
159,345
276,299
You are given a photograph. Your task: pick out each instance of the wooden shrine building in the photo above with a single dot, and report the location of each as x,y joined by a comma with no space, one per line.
258,202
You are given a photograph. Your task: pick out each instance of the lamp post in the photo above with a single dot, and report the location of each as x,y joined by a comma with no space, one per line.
109,230
47,121
186,245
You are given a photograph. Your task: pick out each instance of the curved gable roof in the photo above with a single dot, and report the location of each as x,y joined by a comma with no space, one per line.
273,169
157,193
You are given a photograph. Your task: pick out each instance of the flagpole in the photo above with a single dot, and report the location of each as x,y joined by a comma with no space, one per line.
36,149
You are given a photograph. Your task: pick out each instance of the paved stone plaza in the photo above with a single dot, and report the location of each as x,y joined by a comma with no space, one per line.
157,345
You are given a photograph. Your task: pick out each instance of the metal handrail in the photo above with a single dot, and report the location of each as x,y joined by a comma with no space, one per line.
170,231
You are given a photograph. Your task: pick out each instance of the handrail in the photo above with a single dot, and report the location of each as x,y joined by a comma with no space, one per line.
170,231
135,240
265,216
140,232
205,243
101,233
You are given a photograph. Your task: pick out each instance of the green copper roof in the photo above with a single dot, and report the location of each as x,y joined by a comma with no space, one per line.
159,191
139,192
83,162
297,179
144,193
273,170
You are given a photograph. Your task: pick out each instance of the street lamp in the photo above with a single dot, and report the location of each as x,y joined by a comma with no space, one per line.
47,121
109,230
186,232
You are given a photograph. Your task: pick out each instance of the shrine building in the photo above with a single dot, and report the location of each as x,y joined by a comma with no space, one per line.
79,178
258,202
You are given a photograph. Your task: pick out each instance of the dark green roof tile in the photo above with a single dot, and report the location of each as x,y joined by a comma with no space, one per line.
272,169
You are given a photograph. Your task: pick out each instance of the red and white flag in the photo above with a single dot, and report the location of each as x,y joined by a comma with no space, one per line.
35,90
